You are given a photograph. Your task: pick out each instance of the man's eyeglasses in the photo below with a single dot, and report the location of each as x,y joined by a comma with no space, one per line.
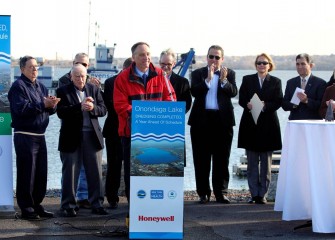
166,64
33,67
84,64
212,56
262,63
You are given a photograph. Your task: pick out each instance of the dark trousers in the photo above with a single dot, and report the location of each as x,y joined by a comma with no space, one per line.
91,157
32,169
211,145
114,165
259,172
126,141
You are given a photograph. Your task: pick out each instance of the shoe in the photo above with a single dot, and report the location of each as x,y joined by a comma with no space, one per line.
251,200
203,199
84,204
261,200
222,199
99,211
113,205
69,212
45,214
30,216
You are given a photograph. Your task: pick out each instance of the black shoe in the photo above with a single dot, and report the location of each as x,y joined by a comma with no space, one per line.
222,199
203,199
45,214
113,205
69,212
261,200
99,211
30,216
84,204
251,200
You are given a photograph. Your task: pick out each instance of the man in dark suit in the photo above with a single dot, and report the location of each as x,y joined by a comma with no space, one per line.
180,84
310,99
212,120
81,140
113,143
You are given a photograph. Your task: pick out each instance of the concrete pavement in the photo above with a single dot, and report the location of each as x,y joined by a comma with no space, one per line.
212,221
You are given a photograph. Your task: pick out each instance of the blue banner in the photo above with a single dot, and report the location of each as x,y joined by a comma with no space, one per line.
6,164
157,170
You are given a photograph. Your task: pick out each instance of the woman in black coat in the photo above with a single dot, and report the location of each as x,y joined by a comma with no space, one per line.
260,139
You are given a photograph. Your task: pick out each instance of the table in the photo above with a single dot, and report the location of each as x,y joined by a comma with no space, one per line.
306,181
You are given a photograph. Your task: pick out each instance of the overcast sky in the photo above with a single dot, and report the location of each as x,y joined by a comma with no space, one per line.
50,28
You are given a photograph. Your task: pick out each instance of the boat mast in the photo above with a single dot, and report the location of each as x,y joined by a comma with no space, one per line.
89,29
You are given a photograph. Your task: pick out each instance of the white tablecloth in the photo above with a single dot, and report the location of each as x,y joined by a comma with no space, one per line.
306,181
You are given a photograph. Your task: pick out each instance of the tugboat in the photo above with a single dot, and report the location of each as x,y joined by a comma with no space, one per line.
103,63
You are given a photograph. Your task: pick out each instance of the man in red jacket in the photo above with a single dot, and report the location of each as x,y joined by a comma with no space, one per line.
141,81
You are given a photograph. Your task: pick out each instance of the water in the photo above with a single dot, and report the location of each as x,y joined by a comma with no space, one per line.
52,134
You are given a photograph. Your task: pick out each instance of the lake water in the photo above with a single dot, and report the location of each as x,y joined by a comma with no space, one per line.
55,166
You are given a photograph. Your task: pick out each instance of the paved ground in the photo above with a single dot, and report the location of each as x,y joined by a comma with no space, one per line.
212,221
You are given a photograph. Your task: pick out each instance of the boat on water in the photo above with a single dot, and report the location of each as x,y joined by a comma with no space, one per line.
102,67
241,169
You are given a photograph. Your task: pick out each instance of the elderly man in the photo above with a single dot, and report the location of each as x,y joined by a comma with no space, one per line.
81,140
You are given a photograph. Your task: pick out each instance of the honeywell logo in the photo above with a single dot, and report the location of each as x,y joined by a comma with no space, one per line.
155,219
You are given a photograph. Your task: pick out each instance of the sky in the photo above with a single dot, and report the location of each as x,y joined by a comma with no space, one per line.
58,29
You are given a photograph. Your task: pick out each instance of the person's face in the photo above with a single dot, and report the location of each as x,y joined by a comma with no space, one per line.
215,58
262,65
78,77
82,60
142,57
167,63
31,69
303,67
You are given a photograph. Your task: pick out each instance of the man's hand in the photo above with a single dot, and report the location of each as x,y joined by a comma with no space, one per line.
51,101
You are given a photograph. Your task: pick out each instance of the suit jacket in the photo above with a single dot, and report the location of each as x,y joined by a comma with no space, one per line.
71,115
265,135
315,89
199,91
329,94
182,89
112,122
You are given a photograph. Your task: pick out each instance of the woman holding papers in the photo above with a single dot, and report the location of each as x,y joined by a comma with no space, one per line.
259,133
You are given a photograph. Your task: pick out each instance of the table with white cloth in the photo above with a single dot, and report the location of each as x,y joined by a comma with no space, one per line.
306,181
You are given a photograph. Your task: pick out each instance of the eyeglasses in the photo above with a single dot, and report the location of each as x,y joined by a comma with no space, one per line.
166,64
33,67
262,63
84,64
212,56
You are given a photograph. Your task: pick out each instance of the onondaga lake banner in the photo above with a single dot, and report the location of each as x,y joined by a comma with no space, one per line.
6,162
157,170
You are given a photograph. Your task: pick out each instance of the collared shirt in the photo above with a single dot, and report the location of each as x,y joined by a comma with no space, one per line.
211,97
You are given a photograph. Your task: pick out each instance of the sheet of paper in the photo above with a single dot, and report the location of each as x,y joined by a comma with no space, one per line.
257,107
295,100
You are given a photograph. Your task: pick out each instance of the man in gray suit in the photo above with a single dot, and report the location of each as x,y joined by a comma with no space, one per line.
310,99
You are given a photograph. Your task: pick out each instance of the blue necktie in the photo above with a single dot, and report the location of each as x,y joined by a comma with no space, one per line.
217,73
144,77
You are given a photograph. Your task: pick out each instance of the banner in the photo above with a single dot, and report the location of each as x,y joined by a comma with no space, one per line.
157,170
6,164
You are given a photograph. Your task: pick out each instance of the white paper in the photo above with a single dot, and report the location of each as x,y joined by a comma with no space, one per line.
257,106
295,100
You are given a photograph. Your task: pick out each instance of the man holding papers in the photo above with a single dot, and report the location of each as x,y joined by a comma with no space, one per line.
303,94
259,132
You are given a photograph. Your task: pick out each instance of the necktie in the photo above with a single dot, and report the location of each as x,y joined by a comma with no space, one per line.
144,77
217,73
303,83
81,95
262,81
